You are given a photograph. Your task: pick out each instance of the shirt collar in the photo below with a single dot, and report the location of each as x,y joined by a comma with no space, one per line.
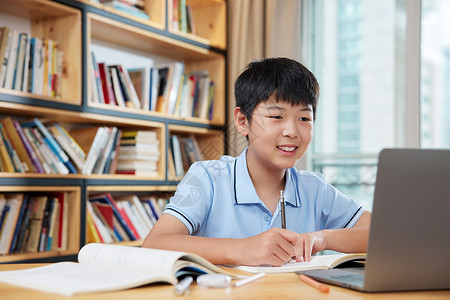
244,190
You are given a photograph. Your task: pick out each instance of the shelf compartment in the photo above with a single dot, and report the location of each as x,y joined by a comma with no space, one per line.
71,119
62,24
73,233
154,8
210,22
161,49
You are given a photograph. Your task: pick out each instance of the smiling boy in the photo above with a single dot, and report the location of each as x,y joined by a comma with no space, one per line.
228,210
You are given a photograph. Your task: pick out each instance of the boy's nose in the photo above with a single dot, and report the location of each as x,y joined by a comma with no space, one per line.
289,131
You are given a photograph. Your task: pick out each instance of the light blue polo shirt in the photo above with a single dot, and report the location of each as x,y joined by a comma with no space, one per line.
217,199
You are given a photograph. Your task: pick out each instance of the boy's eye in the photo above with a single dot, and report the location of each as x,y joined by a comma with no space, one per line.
275,117
304,119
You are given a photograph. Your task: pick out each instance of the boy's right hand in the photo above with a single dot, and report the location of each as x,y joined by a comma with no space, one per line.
273,247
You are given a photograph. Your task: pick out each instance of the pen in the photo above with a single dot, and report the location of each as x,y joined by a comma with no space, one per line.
321,287
249,279
283,212
183,285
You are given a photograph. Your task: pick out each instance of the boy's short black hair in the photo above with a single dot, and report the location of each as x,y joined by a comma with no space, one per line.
286,79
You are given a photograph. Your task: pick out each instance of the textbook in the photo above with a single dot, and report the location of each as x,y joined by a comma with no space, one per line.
317,262
103,267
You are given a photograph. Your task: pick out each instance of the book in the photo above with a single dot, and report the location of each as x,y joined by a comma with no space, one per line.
129,9
37,83
7,164
317,262
103,267
90,140
106,84
128,85
117,88
96,79
140,77
17,165
12,58
5,35
29,149
17,144
18,226
14,201
36,223
54,146
106,198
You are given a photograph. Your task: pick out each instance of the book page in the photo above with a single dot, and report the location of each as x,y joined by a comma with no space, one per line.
143,260
136,259
317,262
69,278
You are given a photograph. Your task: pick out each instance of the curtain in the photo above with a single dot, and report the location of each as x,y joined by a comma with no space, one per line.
258,29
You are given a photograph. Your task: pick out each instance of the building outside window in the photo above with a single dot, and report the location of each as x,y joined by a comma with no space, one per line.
357,49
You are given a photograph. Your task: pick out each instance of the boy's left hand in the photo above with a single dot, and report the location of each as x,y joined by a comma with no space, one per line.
309,244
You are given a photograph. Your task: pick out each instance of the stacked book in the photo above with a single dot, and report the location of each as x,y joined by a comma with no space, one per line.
131,7
33,222
125,218
138,153
30,64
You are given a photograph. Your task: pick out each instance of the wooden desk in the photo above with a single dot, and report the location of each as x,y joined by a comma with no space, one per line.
273,286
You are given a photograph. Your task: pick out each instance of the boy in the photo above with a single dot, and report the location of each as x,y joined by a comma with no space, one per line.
228,211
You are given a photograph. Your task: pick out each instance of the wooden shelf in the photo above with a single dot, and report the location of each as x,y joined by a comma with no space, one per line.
66,22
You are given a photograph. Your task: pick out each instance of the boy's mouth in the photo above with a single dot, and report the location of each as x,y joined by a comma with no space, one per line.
287,148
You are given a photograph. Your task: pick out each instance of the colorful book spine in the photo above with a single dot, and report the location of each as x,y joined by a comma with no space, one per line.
52,143
34,159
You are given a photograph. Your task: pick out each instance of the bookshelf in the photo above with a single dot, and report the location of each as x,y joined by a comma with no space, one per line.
79,28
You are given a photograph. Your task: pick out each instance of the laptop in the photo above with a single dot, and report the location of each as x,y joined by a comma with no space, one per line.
409,240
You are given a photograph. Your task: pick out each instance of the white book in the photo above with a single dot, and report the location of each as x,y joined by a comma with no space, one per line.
26,65
142,212
106,151
174,87
94,151
104,232
100,270
154,79
118,94
203,97
12,57
4,63
38,67
20,61
176,150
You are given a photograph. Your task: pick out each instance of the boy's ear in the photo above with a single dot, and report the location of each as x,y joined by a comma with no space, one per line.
241,122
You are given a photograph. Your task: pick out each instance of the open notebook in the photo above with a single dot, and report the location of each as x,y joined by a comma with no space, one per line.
317,262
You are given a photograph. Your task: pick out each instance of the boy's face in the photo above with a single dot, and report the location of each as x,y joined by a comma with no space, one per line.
279,134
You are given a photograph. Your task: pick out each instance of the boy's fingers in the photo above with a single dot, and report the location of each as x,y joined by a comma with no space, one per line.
289,235
307,250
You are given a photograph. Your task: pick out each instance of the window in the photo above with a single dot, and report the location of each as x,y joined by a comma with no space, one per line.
353,49
365,55
435,74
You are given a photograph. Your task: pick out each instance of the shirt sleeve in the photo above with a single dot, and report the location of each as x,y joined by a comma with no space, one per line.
334,209
192,199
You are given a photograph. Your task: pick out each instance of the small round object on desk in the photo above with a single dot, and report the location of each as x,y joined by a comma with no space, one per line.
214,280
